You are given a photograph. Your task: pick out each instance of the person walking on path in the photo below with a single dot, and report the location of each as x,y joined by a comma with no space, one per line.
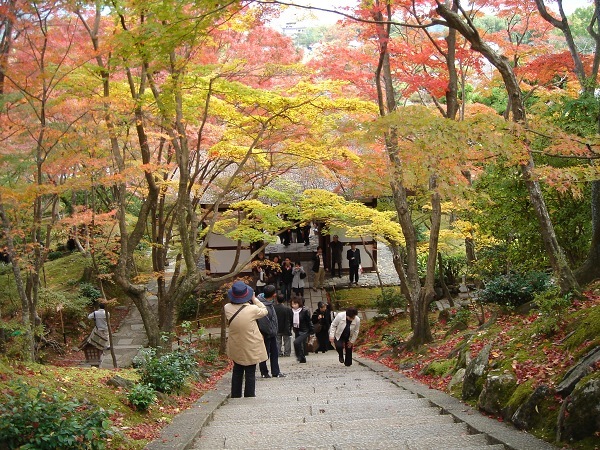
245,344
287,277
336,247
343,333
319,269
268,327
99,336
321,320
298,281
353,257
284,326
303,327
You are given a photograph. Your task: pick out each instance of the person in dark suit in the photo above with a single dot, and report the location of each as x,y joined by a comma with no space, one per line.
353,257
336,248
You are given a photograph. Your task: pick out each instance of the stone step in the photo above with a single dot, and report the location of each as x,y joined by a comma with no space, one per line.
295,416
262,407
309,434
379,445
283,395
334,423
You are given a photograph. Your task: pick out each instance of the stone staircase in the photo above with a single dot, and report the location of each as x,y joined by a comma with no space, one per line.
325,405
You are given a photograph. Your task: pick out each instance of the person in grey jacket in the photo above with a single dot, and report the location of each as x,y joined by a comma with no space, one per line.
344,332
284,322
269,327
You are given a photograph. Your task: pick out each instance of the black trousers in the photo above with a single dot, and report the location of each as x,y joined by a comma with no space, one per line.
299,341
237,379
353,274
273,354
338,263
340,346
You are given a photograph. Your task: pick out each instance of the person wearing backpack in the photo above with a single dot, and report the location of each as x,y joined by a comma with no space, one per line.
268,327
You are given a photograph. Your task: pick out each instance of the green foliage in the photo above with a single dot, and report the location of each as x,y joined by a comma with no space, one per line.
496,99
166,373
439,368
141,396
552,307
309,36
31,418
390,299
502,210
203,302
462,315
90,291
391,339
211,355
514,289
585,329
55,255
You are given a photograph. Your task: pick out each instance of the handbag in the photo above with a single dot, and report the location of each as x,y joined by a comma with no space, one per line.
302,275
318,327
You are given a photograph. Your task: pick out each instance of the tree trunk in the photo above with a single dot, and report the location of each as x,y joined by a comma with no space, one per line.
443,281
590,270
559,262
14,260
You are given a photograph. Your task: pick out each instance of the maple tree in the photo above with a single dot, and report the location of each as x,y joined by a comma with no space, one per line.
39,117
587,75
212,127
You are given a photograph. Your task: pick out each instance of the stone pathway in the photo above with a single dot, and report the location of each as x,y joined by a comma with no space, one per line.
325,405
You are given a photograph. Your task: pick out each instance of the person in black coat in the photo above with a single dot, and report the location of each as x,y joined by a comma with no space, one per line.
321,320
287,276
284,322
353,256
303,327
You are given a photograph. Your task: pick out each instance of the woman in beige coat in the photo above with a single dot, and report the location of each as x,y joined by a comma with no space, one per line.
245,344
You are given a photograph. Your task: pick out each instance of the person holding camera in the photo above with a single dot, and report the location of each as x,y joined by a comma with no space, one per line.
245,344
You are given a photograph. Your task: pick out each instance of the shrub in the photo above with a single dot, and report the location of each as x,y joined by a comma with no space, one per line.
54,255
462,315
168,372
514,289
141,396
391,340
552,307
211,355
390,298
90,291
33,418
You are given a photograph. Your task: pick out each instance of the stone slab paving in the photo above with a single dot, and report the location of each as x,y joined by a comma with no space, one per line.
325,405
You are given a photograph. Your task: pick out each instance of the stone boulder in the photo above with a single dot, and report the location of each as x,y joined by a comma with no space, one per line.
579,415
120,382
531,413
497,391
475,374
456,379
578,371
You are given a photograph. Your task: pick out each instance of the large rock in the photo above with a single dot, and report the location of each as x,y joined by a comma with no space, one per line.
120,382
497,390
531,413
475,374
578,371
579,415
456,379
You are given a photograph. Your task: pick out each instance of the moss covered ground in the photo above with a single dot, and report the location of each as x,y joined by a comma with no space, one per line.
518,348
